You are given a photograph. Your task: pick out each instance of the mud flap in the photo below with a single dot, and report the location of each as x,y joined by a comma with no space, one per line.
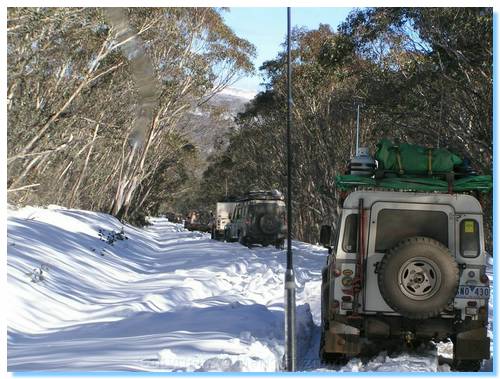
343,339
472,344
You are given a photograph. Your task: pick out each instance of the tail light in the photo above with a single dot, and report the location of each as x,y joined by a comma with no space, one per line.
484,279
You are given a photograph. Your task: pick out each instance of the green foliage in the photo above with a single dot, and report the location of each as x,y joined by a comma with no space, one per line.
336,51
84,131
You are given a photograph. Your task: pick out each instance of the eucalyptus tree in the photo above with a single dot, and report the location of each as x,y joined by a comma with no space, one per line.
422,75
95,96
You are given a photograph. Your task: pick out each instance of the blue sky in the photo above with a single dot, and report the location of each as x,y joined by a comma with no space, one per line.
266,29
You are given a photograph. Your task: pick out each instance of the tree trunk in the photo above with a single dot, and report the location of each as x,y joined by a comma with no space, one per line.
82,174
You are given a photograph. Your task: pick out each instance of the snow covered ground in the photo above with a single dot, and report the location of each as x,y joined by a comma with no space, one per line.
89,293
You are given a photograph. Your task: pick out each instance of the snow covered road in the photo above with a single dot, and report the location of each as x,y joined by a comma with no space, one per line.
89,293
162,299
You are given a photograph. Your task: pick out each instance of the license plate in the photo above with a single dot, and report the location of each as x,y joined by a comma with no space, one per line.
473,292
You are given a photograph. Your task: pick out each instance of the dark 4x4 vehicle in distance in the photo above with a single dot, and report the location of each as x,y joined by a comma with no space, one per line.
258,218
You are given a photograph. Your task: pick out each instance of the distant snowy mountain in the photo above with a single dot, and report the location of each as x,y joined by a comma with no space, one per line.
241,93
208,125
233,100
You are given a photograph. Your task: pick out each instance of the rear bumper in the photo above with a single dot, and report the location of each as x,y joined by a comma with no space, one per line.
258,237
219,234
342,339
470,344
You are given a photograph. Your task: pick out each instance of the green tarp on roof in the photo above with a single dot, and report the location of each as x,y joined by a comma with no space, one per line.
414,159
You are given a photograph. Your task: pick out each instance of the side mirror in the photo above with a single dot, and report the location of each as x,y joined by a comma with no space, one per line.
325,235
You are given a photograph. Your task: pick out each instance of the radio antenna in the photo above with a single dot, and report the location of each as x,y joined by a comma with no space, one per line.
357,132
290,342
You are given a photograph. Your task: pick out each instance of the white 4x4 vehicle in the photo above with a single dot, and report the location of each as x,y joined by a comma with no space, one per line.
222,218
406,267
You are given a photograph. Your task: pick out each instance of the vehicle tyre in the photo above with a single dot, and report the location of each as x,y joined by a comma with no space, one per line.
418,278
467,365
322,355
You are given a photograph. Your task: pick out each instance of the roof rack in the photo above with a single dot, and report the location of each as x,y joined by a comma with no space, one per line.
263,195
479,183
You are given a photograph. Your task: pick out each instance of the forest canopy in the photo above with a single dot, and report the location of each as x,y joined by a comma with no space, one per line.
97,98
421,75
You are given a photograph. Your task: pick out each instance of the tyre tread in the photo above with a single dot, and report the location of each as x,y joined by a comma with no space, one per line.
394,250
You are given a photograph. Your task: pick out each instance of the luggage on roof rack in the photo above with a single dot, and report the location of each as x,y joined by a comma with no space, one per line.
263,195
406,159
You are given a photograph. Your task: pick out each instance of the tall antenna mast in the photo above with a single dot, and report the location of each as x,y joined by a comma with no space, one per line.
357,132
290,343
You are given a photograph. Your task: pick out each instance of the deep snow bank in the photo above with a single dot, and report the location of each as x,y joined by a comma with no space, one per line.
88,293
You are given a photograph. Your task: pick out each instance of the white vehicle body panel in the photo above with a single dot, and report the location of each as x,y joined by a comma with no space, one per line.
223,213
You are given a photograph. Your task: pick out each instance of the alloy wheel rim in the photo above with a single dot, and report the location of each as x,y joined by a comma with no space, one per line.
419,278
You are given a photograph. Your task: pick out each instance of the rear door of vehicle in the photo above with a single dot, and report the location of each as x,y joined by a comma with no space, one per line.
391,223
233,225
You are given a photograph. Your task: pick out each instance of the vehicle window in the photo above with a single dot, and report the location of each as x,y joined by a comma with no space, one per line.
350,238
469,238
394,225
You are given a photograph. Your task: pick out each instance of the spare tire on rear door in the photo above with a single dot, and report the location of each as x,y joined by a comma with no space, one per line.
269,224
418,278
